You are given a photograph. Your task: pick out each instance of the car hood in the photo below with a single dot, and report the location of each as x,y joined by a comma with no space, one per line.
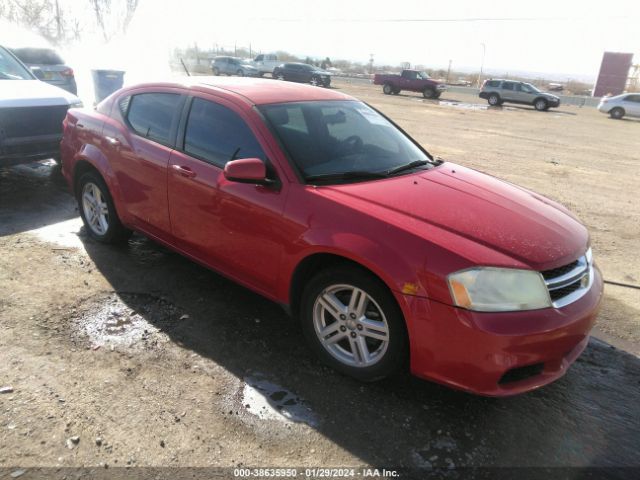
550,95
33,93
526,227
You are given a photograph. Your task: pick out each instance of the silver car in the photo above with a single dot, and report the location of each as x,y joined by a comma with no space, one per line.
627,104
233,66
497,92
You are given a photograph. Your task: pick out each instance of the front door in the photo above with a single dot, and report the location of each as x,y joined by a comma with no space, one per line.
233,227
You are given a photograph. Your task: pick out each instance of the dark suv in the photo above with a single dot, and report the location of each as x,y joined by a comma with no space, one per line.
497,92
302,72
54,69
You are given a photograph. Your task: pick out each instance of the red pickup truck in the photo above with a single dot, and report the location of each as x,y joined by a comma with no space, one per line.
412,80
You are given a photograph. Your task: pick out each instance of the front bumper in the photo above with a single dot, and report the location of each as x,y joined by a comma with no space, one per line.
497,354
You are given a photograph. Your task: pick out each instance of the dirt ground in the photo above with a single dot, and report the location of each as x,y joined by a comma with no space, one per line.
135,357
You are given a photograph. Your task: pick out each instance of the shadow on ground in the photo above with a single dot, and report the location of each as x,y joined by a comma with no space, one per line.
588,418
33,195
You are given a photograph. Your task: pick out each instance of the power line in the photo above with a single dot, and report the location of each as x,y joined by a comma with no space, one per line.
441,20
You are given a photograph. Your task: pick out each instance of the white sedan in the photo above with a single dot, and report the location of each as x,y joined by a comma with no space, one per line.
627,104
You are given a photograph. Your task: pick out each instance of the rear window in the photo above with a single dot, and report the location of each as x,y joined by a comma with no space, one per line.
40,56
151,115
493,83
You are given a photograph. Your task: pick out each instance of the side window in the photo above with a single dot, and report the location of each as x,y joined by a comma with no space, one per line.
508,85
259,58
151,115
493,83
217,135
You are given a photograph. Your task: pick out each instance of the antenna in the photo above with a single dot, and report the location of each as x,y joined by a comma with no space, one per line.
185,67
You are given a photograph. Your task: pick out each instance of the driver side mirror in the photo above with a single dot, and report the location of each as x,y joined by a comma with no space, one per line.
247,170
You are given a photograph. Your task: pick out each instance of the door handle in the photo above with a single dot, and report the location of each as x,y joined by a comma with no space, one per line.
184,171
114,142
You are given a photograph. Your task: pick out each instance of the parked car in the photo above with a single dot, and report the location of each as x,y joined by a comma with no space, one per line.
31,113
317,201
627,104
304,73
233,66
497,92
266,63
411,80
54,69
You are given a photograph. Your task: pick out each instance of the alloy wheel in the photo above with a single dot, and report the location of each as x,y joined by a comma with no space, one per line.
350,325
95,208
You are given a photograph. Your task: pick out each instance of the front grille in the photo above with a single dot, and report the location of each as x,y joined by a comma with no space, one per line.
568,283
559,293
18,122
556,272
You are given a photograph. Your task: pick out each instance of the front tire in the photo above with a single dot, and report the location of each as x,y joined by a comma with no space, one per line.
353,323
216,71
97,210
240,73
387,89
617,113
541,105
429,93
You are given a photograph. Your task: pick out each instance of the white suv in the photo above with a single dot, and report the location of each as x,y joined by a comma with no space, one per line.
627,104
31,113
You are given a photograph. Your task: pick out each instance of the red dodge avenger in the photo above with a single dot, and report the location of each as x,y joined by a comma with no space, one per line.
319,202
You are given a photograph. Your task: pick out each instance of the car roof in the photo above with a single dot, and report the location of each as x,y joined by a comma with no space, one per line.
256,91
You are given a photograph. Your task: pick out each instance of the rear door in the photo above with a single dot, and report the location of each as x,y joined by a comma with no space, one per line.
139,149
233,227
632,105
508,91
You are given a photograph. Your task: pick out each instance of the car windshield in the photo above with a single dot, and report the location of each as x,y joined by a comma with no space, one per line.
342,141
11,69
530,88
423,75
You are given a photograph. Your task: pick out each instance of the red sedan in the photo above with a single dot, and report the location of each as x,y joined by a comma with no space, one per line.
319,202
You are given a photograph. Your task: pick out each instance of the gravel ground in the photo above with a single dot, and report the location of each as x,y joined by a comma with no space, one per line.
135,357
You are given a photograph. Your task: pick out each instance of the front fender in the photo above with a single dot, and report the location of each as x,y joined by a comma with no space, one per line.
389,264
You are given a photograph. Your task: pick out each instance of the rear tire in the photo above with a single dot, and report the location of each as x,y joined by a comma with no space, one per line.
216,71
362,332
494,100
97,210
387,89
617,113
240,73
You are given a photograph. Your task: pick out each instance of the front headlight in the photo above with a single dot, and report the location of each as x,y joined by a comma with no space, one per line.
490,289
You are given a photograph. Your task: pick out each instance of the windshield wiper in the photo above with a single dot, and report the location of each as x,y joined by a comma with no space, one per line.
353,175
408,166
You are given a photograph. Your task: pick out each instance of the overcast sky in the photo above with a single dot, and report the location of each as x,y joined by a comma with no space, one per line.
540,36
560,37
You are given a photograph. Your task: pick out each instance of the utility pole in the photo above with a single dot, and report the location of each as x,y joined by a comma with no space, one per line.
371,63
448,71
484,51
